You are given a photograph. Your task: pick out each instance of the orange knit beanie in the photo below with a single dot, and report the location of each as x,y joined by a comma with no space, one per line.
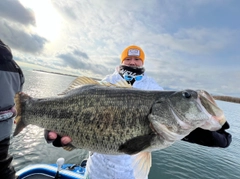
133,50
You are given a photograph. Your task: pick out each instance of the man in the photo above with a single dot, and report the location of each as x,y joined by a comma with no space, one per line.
11,82
119,166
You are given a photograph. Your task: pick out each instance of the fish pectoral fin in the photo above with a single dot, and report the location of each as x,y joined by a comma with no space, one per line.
141,164
69,147
136,144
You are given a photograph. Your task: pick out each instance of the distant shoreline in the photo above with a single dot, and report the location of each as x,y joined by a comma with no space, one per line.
57,73
227,98
216,97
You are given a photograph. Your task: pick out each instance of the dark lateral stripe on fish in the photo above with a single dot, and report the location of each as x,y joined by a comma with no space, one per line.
136,144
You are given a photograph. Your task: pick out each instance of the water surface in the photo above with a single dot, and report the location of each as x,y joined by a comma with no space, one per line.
180,161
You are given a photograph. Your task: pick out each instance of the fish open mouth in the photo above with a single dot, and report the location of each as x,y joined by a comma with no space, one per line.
210,107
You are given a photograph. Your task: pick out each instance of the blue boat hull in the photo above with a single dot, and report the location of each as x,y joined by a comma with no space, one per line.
45,171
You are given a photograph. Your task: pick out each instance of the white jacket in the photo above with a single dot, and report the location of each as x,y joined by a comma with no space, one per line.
102,166
146,83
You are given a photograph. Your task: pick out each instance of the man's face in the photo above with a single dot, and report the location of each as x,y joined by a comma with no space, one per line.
133,61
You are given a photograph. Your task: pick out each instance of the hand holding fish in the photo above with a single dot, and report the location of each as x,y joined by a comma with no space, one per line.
51,136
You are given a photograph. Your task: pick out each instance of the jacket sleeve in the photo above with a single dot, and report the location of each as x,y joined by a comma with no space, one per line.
147,83
8,64
155,86
11,77
219,138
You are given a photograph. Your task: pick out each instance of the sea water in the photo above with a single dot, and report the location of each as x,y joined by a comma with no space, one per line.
182,160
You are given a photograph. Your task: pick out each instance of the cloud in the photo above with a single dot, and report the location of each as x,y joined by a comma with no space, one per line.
65,9
16,37
80,54
80,61
15,27
14,10
190,44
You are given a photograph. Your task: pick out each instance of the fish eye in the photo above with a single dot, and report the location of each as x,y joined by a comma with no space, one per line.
186,94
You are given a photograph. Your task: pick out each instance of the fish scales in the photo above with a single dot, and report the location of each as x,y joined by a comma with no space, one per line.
90,115
113,120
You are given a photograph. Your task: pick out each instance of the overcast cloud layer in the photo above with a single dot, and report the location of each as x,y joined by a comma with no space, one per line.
188,44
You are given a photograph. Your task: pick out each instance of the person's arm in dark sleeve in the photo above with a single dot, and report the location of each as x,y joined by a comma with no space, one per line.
219,138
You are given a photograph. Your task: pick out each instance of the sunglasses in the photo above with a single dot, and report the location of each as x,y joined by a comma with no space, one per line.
130,77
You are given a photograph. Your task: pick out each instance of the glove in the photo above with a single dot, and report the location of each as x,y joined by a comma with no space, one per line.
224,127
56,142
227,136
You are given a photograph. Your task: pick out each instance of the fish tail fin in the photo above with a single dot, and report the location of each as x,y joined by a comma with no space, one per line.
141,164
19,125
19,98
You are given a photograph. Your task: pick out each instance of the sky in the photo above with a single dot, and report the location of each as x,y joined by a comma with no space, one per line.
189,44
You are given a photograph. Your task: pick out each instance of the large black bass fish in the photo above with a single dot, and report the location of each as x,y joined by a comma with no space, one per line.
117,119
114,119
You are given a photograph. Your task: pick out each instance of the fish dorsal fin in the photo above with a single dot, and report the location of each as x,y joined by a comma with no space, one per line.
79,81
83,80
123,84
141,164
105,83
